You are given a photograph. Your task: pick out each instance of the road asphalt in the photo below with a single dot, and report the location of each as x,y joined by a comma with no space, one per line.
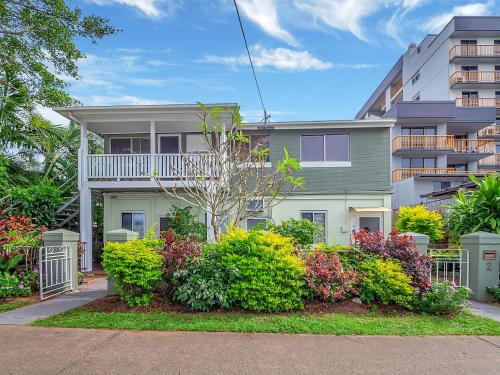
32,350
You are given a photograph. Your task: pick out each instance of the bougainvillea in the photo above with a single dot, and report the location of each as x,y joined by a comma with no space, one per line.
326,279
398,247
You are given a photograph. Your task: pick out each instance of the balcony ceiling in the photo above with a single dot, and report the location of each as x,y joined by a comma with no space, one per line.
137,119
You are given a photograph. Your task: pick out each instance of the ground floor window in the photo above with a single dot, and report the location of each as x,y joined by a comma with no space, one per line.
370,223
164,224
318,217
133,221
256,221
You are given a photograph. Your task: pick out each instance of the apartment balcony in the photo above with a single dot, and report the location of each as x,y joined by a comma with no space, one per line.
491,162
492,131
412,145
140,167
448,174
477,102
465,53
472,79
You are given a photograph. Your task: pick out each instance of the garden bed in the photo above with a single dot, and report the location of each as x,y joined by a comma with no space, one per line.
365,323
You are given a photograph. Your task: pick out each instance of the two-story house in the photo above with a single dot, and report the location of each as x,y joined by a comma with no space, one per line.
345,165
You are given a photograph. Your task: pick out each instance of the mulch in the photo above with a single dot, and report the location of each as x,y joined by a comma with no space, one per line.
114,304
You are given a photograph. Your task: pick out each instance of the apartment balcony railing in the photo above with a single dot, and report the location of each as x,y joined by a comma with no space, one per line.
490,161
477,102
405,173
442,142
490,131
472,50
141,166
473,76
422,142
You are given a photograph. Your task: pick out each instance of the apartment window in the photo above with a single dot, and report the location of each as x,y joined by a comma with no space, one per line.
130,145
496,47
470,94
330,147
318,217
497,94
497,120
259,222
418,163
133,221
431,130
258,142
415,78
370,223
169,144
459,167
256,205
440,185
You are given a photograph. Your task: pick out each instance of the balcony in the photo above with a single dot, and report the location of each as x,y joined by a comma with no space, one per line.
118,167
492,131
477,102
473,78
405,173
471,52
408,144
492,162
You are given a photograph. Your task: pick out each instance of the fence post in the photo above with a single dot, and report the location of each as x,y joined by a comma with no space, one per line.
484,255
63,237
118,235
421,240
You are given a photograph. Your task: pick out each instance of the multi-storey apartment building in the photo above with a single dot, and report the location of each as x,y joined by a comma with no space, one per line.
345,166
445,96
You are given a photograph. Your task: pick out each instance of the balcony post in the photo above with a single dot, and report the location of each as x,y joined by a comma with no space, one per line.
85,197
152,145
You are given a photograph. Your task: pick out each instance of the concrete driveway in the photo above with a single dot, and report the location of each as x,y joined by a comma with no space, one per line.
30,350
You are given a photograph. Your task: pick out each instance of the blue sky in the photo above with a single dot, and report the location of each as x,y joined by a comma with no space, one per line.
316,59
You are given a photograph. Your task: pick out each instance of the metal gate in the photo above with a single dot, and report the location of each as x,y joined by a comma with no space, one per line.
55,271
450,266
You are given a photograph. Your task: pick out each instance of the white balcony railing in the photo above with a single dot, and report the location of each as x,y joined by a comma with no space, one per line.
141,166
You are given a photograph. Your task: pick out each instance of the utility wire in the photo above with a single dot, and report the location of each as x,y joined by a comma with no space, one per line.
266,116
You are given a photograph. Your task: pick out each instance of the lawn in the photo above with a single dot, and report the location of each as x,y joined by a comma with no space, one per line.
12,305
335,324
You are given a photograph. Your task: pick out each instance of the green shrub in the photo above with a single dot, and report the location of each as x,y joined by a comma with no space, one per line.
39,202
203,285
384,281
442,299
419,219
135,267
494,292
266,273
304,232
185,226
11,286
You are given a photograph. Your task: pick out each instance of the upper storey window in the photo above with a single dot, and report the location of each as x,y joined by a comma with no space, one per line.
130,145
319,148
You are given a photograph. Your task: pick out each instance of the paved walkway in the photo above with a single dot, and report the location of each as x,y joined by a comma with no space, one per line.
40,351
28,314
484,309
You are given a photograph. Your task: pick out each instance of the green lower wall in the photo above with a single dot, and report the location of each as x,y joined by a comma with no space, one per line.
339,218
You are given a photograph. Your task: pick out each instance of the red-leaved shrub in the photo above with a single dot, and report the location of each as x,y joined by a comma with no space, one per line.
398,247
326,278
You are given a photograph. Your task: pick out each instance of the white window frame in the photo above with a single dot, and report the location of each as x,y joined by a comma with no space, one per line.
178,135
134,212
130,144
325,212
259,208
324,163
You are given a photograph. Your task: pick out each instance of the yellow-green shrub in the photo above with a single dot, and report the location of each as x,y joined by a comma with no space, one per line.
419,219
135,266
267,275
384,281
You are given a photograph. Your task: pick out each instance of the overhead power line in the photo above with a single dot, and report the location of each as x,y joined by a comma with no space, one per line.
266,116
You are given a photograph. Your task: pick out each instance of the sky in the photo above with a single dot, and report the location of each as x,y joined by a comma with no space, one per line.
314,59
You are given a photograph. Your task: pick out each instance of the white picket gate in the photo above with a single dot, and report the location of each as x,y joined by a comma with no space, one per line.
450,266
55,271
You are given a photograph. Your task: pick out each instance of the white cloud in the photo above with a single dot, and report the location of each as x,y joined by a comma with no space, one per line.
101,100
278,58
265,14
436,23
155,9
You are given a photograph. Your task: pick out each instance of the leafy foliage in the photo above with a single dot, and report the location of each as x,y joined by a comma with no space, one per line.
419,219
477,210
10,286
384,281
135,267
326,278
494,292
38,202
304,232
402,248
184,224
443,299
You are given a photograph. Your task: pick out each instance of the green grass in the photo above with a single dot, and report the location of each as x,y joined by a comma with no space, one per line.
335,324
12,305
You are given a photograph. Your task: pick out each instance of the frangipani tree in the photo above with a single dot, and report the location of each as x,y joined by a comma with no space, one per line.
231,175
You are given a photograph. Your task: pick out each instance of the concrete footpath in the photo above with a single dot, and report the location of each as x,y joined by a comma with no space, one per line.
33,350
57,305
484,309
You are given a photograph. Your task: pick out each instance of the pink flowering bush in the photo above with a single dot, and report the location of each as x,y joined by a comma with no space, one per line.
402,248
326,279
